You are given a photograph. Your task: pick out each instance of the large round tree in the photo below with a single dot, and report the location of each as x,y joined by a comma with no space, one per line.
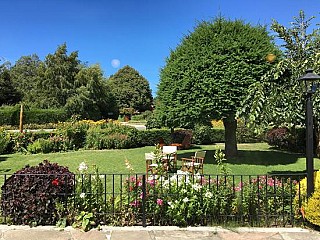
131,89
206,77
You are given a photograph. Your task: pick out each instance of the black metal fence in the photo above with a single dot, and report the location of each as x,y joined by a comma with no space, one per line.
177,199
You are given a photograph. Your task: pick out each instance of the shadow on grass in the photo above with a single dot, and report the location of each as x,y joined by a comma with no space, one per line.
252,157
2,159
5,170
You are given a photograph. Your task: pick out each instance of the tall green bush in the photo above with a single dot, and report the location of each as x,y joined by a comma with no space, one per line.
4,140
112,135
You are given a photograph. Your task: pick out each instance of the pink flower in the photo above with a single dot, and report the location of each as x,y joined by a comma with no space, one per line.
159,202
152,182
135,203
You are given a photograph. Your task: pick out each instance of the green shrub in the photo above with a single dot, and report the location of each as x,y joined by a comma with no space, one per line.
10,115
74,134
151,137
203,134
112,135
41,116
19,141
247,135
29,195
142,116
53,144
4,140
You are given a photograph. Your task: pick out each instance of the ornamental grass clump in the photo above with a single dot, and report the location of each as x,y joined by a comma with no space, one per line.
29,196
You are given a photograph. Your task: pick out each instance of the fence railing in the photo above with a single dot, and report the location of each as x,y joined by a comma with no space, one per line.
178,199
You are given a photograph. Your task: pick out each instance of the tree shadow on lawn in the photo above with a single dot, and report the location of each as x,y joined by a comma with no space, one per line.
3,159
252,157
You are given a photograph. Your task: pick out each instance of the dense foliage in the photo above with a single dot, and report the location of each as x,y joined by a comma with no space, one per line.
10,115
131,90
278,99
60,81
29,195
8,94
208,74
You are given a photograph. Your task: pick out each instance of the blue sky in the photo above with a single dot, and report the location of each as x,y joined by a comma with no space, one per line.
138,33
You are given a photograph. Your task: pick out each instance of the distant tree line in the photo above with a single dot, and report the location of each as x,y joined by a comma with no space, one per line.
63,81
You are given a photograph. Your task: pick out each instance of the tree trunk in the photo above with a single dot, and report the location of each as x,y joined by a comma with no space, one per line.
230,128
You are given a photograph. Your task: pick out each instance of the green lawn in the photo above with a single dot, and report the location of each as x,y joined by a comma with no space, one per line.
257,158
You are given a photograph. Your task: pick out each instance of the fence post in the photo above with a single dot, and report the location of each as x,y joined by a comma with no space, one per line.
144,200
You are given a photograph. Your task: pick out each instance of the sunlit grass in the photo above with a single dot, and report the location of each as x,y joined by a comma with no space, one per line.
254,159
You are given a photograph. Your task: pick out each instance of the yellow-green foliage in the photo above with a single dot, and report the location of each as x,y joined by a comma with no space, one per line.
312,208
303,186
217,124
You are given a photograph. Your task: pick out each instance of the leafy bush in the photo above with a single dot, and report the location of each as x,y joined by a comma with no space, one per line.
74,134
312,209
4,140
29,195
309,206
287,139
263,195
151,137
19,141
112,135
142,116
39,146
206,135
278,137
53,144
247,135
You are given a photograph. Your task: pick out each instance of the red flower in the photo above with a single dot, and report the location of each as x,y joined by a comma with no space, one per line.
55,182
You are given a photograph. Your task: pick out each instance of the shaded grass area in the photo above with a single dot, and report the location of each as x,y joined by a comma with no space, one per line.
253,159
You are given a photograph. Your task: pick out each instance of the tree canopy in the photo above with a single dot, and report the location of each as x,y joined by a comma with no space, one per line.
277,100
207,76
8,93
62,81
131,89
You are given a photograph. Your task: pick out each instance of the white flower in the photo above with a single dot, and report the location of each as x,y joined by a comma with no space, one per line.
82,195
185,200
196,186
166,184
171,205
83,167
208,194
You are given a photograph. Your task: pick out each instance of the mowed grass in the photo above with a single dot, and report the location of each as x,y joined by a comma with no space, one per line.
253,159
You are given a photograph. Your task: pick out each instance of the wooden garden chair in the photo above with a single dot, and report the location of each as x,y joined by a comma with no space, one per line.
195,163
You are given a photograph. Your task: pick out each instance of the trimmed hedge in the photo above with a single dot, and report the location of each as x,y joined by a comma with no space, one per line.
151,137
10,115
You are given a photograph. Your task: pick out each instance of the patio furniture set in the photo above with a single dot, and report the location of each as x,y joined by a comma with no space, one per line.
165,160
